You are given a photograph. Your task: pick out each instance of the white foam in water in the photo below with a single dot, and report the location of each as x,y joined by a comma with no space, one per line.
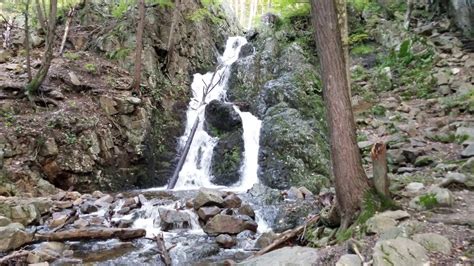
196,171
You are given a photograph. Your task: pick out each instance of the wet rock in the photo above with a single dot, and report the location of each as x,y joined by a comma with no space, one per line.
232,201
225,241
246,50
227,224
52,249
285,256
172,219
227,158
87,208
378,224
399,251
222,116
125,223
208,197
13,236
434,242
414,187
246,209
349,260
205,213
424,161
265,240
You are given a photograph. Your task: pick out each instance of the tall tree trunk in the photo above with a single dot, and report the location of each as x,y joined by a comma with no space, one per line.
32,87
138,49
70,15
350,179
344,28
27,40
174,21
40,15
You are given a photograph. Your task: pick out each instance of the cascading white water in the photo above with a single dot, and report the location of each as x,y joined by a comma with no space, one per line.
196,171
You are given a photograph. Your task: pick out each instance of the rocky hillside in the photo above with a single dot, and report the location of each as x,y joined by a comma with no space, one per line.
90,131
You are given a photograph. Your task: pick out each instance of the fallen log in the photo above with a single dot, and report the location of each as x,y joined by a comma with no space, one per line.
70,16
91,234
287,236
16,258
165,255
182,159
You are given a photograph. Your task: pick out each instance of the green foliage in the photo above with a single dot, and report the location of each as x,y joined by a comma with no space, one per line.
91,68
122,6
428,201
463,102
205,12
70,138
119,54
379,110
71,56
291,8
362,49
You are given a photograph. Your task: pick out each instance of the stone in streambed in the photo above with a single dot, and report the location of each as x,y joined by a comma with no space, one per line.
13,236
173,219
225,241
208,197
246,209
205,213
227,224
232,201
222,116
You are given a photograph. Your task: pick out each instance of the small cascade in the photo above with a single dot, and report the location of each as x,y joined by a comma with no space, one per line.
196,170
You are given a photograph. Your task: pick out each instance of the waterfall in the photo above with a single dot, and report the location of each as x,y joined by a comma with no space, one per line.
196,171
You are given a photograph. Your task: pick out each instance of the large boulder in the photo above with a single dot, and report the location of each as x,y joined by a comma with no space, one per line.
13,236
399,251
208,197
463,15
173,219
434,242
285,256
227,158
222,116
228,224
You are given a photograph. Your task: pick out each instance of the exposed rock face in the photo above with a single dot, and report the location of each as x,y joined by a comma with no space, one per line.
222,116
463,15
279,85
285,256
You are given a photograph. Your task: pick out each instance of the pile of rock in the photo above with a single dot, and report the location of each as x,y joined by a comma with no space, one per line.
223,214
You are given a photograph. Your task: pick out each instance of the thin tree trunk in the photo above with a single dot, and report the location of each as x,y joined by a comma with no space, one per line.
350,179
176,13
70,15
27,40
138,50
40,15
7,33
32,87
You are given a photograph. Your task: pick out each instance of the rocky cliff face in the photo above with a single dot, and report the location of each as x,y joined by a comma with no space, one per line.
276,79
96,133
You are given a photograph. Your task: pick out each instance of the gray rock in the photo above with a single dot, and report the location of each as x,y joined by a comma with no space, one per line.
104,201
294,194
442,198
49,148
349,260
134,100
4,56
208,197
468,151
396,215
222,116
463,15
87,208
399,251
108,105
468,166
414,187
13,236
25,214
296,255
378,224
434,242
468,132
173,219
225,241
227,224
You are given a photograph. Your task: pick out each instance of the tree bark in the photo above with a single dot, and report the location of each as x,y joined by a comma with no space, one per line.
40,15
350,179
170,54
379,163
32,87
343,26
27,40
139,48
